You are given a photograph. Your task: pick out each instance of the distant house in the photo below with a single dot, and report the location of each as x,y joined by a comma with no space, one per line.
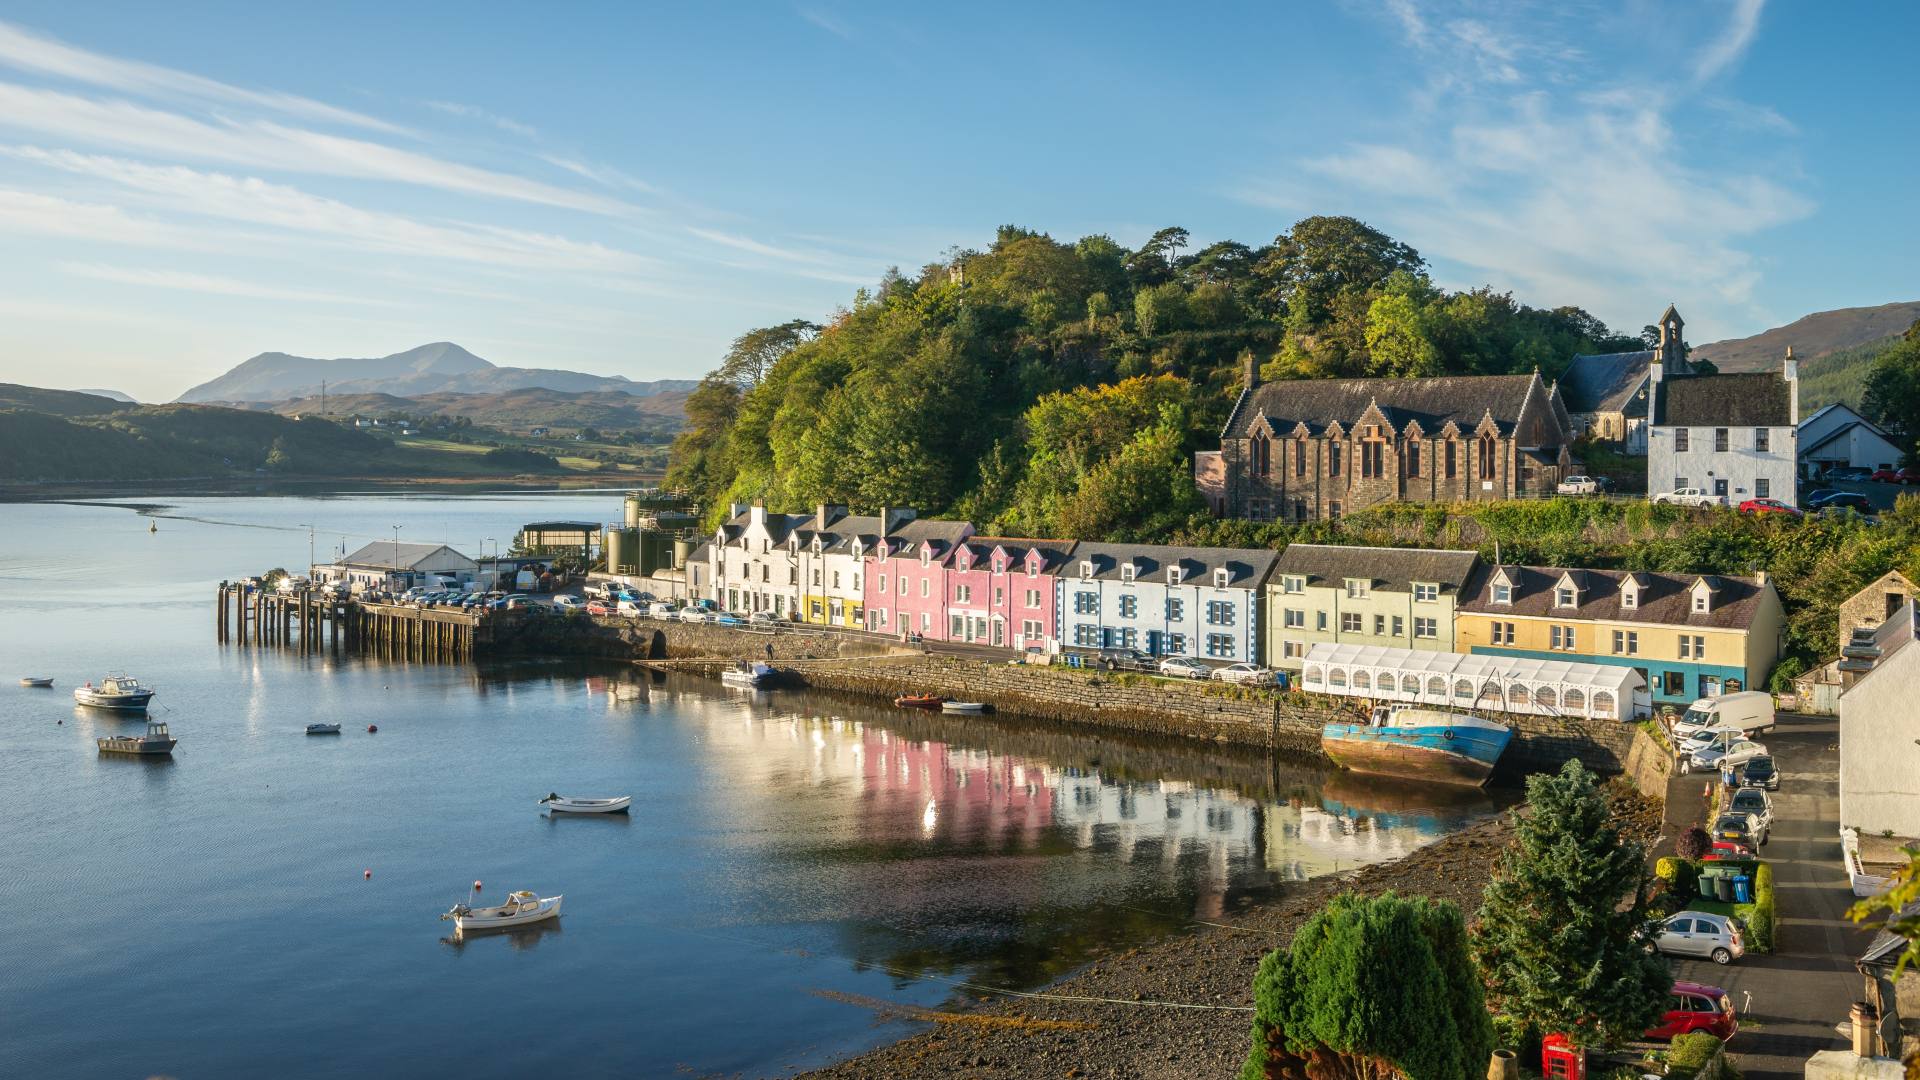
1837,436
538,433
389,566
1196,602
1880,729
1334,594
1731,435
1606,397
1875,604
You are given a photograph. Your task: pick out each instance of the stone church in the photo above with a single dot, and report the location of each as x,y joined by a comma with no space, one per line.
1307,449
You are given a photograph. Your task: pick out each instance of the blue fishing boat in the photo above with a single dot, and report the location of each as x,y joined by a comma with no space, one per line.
1419,743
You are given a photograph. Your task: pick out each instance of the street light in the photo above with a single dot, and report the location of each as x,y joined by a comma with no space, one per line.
309,527
396,551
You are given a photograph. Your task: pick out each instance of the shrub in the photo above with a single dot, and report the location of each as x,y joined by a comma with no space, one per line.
1693,843
1689,1053
1679,874
1764,916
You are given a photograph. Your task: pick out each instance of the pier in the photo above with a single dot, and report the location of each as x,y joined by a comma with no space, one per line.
307,620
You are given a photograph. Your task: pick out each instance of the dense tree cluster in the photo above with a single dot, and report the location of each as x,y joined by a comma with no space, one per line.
1892,397
952,389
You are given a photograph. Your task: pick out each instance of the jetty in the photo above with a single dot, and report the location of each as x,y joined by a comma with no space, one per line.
312,621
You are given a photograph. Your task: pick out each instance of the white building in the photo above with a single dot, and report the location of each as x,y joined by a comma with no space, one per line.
752,566
389,566
1733,435
1880,729
1513,684
1165,601
1837,436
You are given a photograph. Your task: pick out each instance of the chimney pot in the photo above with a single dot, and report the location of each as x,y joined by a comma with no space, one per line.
1866,1035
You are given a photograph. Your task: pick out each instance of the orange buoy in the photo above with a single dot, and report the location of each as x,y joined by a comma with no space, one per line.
371,728
366,873
476,886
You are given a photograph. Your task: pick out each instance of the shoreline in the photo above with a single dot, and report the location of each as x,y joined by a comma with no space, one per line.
26,491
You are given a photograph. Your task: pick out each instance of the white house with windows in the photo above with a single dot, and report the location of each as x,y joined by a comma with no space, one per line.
1837,436
753,565
1731,435
1165,601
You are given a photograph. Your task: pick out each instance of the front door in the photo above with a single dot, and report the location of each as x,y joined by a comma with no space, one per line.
1720,488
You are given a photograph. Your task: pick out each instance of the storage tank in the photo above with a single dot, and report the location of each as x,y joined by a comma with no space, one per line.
682,553
633,509
623,550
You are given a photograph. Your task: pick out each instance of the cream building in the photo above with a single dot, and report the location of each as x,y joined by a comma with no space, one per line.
1335,594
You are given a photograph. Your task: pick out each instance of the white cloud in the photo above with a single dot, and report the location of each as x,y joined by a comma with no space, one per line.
1726,50
209,283
32,213
24,50
474,112
599,174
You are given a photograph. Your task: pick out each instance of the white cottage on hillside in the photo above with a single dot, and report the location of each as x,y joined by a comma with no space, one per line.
1732,435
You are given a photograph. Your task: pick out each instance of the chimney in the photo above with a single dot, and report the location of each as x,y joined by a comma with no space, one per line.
757,513
820,517
1249,370
1866,1034
734,510
892,517
1790,370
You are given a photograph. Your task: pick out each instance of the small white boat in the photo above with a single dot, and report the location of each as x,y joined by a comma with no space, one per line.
750,676
570,805
35,680
114,692
323,729
963,706
521,909
156,741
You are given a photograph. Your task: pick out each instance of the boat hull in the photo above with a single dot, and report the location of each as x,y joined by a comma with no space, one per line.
963,707
590,806
139,747
549,909
1443,755
323,729
125,702
37,683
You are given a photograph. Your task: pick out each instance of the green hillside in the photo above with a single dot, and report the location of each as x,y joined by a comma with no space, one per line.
1840,375
57,402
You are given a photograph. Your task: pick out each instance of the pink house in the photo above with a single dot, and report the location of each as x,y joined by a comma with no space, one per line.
905,583
1000,591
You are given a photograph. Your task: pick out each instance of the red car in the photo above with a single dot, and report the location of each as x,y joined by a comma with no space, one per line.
599,607
1767,506
1908,475
1694,1007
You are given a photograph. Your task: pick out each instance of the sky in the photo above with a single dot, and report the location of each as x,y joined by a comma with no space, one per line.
624,188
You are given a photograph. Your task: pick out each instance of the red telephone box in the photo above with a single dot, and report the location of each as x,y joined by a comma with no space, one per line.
1561,1060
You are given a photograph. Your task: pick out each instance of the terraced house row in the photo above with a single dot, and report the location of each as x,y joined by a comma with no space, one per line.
895,573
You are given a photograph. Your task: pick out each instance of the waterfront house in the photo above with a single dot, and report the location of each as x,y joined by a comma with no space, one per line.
1164,601
1837,436
1732,435
1337,594
751,565
1880,728
1001,591
833,549
390,566
906,578
1689,635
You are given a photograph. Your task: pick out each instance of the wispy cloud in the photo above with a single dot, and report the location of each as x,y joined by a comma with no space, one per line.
474,112
825,21
31,213
1723,52
209,283
24,50
605,175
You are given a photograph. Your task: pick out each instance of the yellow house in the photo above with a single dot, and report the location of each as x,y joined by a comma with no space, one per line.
1690,635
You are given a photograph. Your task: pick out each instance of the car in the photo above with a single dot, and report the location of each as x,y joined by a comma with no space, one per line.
1183,667
1769,506
1742,829
1756,804
566,601
1746,711
1700,933
1718,754
1246,675
1696,1007
763,618
1124,660
726,618
1828,500
1908,475
1841,473
660,609
1689,496
1760,773
692,615
1579,485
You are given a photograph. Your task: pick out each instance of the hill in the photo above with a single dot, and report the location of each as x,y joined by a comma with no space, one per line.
517,411
1812,336
57,402
114,394
440,367
1840,375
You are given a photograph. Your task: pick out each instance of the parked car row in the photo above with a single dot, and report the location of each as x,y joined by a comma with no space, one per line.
1186,667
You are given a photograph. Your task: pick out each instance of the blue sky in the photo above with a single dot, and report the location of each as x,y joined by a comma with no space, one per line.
623,188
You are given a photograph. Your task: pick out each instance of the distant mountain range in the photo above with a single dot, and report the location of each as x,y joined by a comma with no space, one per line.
1812,336
517,411
439,368
114,394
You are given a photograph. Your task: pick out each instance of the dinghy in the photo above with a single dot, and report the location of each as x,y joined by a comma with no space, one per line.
963,706
114,692
747,676
919,701
521,909
323,729
570,805
35,680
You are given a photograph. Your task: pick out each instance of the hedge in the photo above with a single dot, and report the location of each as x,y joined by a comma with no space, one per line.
1763,909
1691,1052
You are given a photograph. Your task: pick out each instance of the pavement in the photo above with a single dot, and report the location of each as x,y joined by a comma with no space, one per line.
1794,1001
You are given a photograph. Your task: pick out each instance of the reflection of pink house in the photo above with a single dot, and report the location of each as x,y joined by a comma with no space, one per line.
1000,591
929,788
906,578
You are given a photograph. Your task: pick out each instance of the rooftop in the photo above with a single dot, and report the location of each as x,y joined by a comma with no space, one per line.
1389,569
1320,403
1745,399
1663,598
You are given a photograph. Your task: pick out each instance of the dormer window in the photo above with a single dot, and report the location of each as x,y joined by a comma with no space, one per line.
999,566
1086,571
1293,583
1174,574
1630,597
926,555
1033,567
1702,601
1426,591
1127,572
1220,578
1566,596
1358,588
1502,593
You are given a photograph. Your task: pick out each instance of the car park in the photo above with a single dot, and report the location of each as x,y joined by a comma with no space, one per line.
1696,1007
1246,675
1703,934
1183,667
1756,804
1830,500
1768,506
1689,496
1760,772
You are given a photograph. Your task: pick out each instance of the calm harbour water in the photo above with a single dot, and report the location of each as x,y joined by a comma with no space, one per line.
787,855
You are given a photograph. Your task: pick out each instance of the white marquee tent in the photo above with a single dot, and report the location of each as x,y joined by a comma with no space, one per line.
1514,684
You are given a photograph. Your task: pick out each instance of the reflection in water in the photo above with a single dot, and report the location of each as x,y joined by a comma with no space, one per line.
519,939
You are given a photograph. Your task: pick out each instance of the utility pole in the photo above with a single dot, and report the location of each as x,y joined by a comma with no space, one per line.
396,551
309,548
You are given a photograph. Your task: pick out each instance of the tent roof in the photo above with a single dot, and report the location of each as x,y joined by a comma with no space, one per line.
1479,667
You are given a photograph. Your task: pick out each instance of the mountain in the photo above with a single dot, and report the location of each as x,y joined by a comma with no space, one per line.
516,411
114,394
441,367
1812,337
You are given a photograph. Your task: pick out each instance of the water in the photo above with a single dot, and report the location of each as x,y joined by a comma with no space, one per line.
788,857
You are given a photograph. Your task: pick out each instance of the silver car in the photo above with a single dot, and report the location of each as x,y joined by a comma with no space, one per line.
1700,933
1757,805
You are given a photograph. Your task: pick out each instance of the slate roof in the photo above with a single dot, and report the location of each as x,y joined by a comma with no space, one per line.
1665,599
1319,403
1247,568
386,555
1607,382
1745,399
1886,947
1390,569
1053,553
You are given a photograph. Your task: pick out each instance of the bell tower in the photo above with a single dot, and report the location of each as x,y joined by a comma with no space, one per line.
1671,354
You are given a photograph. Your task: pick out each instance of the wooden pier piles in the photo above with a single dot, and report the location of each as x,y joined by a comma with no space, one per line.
310,621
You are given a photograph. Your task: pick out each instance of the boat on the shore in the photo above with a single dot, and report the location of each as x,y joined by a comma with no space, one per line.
323,729
963,706
919,701
157,740
36,681
568,804
114,692
1420,744
748,676
521,909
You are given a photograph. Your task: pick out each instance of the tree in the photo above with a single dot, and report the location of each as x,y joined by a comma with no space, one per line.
1160,309
754,353
1555,937
1892,397
1692,843
1371,988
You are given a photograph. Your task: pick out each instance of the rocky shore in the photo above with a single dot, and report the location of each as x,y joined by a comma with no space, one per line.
1211,965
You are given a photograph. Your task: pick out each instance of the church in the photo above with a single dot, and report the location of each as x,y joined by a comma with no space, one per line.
1310,449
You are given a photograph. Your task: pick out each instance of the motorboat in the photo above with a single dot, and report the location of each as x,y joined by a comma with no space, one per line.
323,729
919,701
521,909
156,741
1419,743
569,805
963,706
114,692
750,676
36,681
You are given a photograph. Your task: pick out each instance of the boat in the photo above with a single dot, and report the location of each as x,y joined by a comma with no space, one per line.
1419,743
751,676
114,692
521,909
323,729
963,706
568,804
919,701
155,741
35,680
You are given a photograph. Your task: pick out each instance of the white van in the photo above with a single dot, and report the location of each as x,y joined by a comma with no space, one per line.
631,609
1749,711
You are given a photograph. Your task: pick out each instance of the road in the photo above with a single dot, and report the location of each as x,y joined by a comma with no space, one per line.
1793,1001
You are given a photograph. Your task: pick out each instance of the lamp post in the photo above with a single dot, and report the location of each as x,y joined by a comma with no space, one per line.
396,551
309,528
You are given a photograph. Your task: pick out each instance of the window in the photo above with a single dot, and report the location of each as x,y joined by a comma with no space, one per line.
1293,650
1293,584
1176,609
1680,439
1679,483
1357,588
1502,593
1220,578
999,597
836,579
1563,638
903,584
1709,686
1719,440
816,579
963,594
880,620
1262,455
1300,457
1503,633
1379,625
1762,439
1084,634
1486,456
1452,453
1350,622
1399,626
1129,607
926,622
1294,619
1086,603
1220,645
1763,488
1626,642
1700,600
1033,598
1030,629
1219,613
1412,458
1333,458
1127,572
1320,620
1333,511
1563,597
926,587
1424,627
1370,459
1177,644
1693,647
1629,599
1425,592
1129,638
